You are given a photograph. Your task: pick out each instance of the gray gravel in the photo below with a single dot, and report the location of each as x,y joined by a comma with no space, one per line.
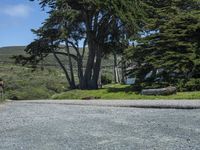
55,126
167,104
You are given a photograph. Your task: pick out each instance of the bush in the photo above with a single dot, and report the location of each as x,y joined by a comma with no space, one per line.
137,87
193,85
55,86
181,85
30,93
106,79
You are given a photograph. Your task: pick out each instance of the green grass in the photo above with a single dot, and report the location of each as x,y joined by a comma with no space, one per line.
121,92
22,84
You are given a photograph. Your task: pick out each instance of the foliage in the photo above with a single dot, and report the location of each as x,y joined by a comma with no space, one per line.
103,26
106,79
192,84
171,42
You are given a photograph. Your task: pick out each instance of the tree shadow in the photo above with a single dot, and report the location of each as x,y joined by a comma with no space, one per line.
127,89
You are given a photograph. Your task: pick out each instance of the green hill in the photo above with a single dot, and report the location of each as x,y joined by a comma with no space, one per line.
22,83
7,52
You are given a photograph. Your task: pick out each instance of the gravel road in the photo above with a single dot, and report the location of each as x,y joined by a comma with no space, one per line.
55,126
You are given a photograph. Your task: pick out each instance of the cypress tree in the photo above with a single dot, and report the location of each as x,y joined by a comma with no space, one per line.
97,22
171,42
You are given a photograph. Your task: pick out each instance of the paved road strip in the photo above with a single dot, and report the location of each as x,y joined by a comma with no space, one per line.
52,125
159,104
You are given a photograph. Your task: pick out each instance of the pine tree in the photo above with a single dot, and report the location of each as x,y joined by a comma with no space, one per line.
171,42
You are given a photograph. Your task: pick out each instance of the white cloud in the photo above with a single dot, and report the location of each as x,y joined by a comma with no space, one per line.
19,10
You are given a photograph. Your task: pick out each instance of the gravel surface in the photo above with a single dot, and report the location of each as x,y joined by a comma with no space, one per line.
169,104
55,126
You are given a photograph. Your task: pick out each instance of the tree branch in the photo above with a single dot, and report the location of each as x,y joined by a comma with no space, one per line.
71,55
62,66
75,47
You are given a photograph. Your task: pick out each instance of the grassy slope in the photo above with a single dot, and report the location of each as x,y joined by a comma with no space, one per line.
120,92
21,83
12,50
7,52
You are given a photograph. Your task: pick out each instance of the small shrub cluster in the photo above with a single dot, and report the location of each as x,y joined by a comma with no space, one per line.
191,85
106,79
30,93
182,85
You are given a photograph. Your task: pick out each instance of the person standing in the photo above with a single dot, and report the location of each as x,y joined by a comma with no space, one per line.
1,89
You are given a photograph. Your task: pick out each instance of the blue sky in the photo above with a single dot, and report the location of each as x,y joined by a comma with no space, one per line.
17,18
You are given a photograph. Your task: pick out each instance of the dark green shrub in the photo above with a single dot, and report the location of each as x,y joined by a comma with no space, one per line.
106,79
137,87
181,85
30,93
193,85
55,86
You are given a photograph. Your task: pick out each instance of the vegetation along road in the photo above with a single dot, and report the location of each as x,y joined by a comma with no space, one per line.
50,126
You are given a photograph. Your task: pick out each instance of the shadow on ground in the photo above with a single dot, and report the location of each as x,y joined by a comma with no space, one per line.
127,89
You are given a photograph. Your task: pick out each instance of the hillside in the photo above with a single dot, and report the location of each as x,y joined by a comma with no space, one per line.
22,83
7,52
12,50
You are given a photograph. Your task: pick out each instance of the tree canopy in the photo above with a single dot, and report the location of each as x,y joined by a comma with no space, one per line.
101,24
167,34
171,42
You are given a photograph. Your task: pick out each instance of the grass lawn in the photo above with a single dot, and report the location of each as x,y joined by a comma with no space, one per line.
120,92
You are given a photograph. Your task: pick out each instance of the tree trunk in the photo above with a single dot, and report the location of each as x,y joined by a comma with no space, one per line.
80,73
115,68
93,65
70,66
97,68
162,91
80,66
72,86
123,70
90,63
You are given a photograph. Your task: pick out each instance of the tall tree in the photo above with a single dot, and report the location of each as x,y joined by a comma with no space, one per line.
96,22
171,40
